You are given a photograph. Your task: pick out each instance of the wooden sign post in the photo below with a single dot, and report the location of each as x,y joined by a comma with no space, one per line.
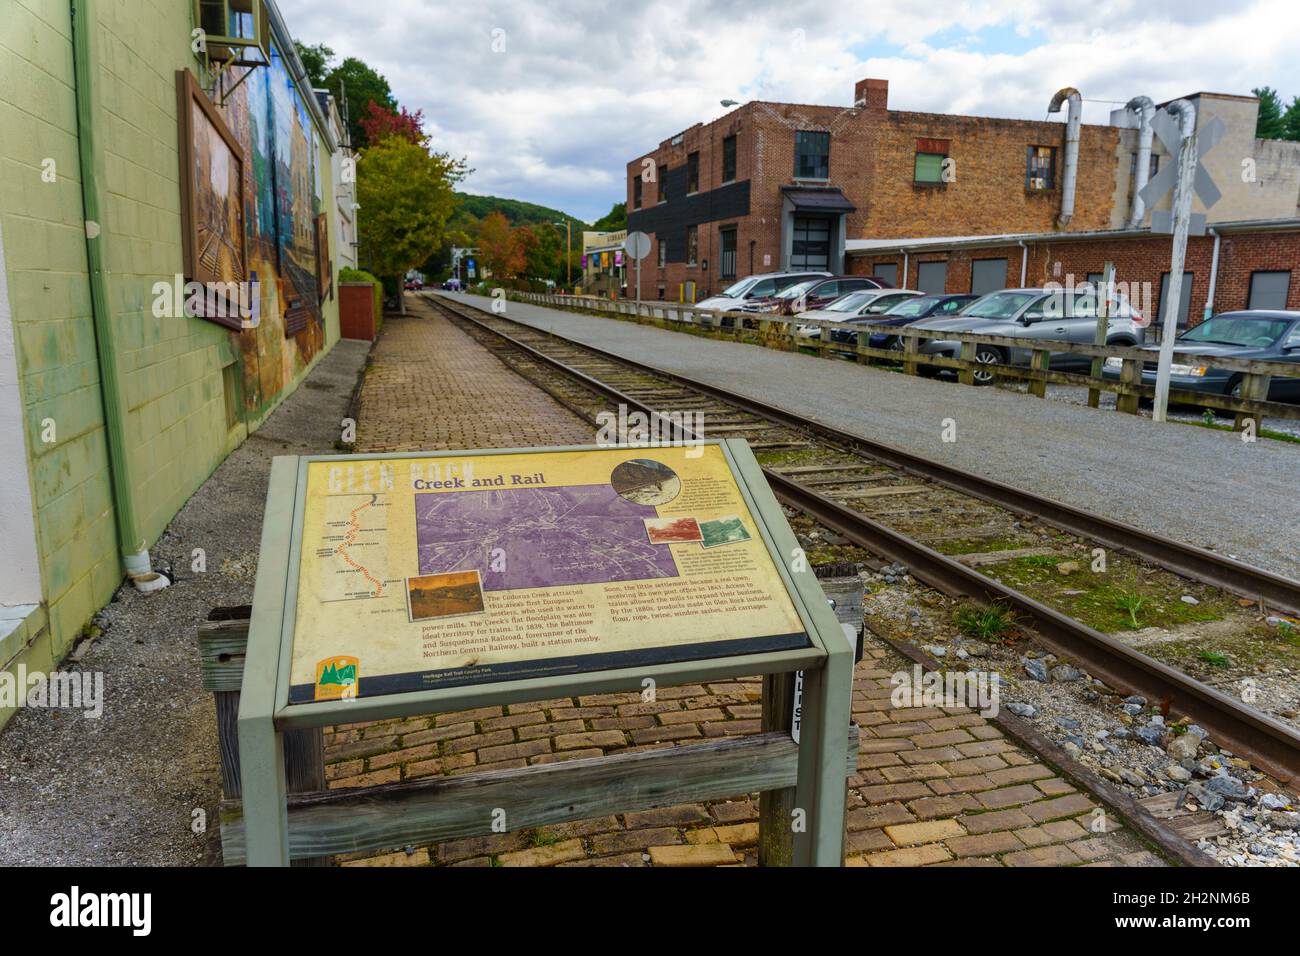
396,585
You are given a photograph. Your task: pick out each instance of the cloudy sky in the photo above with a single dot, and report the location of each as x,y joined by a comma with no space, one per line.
549,100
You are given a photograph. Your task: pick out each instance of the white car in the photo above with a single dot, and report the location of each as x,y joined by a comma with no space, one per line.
854,305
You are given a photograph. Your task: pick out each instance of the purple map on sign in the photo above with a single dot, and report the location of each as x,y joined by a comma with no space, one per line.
539,537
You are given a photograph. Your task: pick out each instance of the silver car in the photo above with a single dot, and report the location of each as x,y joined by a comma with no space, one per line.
1040,316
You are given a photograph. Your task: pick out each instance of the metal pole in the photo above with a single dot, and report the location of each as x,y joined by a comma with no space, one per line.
1182,213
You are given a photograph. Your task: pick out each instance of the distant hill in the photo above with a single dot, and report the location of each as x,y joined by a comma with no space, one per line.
516,211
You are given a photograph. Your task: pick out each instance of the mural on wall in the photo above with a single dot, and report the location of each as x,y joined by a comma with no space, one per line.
268,117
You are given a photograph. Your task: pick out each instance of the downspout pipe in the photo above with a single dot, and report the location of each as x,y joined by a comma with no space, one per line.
1145,110
1074,118
1214,276
1024,262
131,544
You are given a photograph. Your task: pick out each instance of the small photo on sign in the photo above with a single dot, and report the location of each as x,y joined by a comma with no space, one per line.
673,530
720,531
645,481
433,596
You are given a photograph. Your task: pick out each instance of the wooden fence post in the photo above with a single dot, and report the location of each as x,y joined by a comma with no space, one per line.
776,837
1040,360
1254,388
966,374
223,641
1131,375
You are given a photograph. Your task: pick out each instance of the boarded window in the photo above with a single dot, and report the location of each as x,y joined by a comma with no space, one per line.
988,275
636,192
887,271
928,168
693,173
692,244
932,277
1268,290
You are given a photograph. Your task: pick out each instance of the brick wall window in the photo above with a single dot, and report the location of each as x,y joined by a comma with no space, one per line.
692,244
636,192
812,155
928,168
692,173
887,271
932,277
1040,168
663,255
728,243
663,183
1133,166
1268,290
729,159
1184,298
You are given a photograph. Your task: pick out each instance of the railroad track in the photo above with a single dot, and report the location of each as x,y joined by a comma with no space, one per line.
911,510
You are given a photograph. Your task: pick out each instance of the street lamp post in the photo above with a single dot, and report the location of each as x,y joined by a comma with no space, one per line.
568,250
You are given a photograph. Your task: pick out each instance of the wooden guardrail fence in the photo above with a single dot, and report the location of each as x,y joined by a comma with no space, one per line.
781,332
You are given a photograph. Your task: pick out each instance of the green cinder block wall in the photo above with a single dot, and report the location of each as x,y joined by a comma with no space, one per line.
171,369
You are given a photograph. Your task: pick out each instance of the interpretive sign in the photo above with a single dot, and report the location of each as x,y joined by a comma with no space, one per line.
423,573
397,585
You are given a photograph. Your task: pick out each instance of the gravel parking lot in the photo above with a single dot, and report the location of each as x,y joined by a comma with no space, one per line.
1199,485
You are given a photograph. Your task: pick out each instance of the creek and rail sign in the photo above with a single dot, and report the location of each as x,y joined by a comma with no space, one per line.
394,585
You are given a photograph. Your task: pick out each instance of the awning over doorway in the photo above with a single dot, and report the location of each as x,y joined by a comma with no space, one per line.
829,199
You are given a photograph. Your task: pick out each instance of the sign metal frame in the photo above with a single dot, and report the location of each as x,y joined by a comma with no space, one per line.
265,714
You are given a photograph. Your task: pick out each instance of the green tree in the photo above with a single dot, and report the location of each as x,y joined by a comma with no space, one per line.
356,84
613,220
407,197
316,60
1269,124
1291,120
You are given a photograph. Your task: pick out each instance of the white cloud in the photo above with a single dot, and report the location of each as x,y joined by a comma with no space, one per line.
582,87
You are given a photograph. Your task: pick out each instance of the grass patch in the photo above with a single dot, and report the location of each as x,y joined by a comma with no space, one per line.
1123,598
983,623
1214,658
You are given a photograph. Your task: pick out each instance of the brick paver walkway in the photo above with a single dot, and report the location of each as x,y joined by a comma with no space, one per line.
935,786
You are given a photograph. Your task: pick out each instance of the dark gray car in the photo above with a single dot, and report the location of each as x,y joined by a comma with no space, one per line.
1040,317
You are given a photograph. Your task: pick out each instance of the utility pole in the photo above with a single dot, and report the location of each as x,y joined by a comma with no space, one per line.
1185,113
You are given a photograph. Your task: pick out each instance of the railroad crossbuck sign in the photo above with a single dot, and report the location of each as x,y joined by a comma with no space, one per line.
1166,127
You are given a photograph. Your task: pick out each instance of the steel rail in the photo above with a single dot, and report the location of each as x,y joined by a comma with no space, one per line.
1273,746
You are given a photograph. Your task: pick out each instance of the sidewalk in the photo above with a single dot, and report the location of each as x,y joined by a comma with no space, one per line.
1204,487
122,790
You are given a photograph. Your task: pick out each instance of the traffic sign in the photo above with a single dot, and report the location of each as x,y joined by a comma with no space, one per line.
1166,127
637,245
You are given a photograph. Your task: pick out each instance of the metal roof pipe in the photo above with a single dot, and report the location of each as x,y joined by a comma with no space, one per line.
1146,111
1073,120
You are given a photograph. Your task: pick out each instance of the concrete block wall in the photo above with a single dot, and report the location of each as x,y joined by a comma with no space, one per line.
45,251
171,369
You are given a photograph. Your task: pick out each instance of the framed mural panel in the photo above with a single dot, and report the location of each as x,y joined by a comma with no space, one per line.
324,263
213,240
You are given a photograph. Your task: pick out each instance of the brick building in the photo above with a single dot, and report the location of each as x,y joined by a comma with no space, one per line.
783,185
1239,265
773,186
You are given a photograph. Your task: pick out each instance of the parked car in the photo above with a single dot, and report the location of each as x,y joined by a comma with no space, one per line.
735,296
414,285
452,285
1040,317
914,310
811,294
1256,334
864,305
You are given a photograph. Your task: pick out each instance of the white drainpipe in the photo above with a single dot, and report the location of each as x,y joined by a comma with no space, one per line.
1214,276
1145,110
1024,262
904,285
1073,119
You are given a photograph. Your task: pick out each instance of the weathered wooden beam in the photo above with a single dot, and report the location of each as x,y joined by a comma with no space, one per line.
447,808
